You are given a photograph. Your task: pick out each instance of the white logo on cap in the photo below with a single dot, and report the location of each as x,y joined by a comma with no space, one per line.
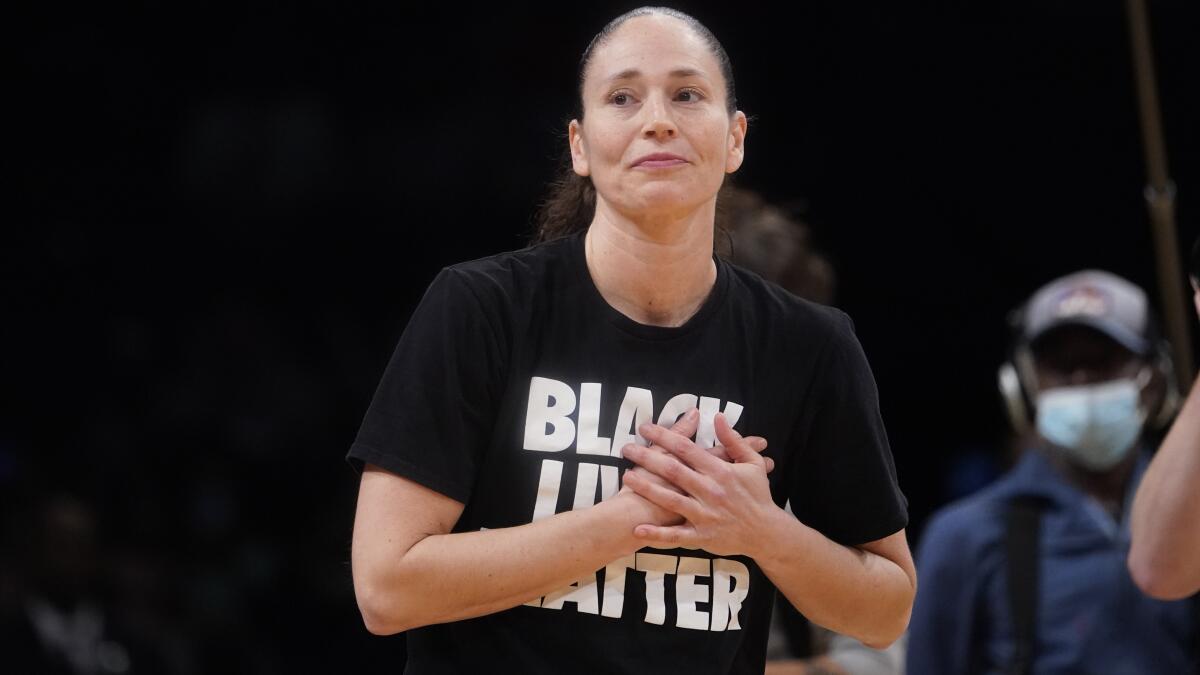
1085,300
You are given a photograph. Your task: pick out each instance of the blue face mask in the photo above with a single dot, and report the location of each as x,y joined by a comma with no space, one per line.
1096,425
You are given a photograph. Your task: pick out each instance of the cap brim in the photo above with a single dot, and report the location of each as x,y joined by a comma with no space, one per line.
1123,336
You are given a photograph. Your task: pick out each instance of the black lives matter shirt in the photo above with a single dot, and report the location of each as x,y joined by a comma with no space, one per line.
513,389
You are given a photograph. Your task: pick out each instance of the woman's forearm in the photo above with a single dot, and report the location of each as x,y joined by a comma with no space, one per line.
847,590
1164,558
447,577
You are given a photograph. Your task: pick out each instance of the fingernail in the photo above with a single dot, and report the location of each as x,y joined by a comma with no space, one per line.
693,414
627,449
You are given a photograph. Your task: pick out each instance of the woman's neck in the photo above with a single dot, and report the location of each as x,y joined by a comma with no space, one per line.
655,272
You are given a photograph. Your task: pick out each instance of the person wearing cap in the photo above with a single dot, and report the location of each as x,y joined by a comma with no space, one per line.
1165,556
1028,575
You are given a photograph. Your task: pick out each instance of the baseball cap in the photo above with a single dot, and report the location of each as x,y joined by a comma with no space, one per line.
1093,298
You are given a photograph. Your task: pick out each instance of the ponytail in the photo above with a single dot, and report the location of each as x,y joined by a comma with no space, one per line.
569,206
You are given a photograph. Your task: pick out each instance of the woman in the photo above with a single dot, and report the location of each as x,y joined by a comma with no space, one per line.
490,520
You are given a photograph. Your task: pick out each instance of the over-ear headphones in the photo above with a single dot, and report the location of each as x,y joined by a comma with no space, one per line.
1015,378
1017,381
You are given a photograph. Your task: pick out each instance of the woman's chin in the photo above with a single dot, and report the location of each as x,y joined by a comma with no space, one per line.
659,201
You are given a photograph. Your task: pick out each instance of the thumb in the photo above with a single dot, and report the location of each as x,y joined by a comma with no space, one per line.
737,447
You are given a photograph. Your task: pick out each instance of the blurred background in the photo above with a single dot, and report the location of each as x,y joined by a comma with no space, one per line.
223,216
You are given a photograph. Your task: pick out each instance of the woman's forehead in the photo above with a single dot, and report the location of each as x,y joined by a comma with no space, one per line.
653,46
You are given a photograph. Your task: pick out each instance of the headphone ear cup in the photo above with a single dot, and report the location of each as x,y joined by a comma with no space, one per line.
1172,397
1013,394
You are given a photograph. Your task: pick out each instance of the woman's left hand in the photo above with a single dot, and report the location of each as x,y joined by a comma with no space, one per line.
726,505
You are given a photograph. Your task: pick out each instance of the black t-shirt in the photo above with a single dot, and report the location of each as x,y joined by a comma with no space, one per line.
516,384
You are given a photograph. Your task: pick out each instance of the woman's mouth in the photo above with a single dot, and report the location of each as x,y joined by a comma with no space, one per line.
659,160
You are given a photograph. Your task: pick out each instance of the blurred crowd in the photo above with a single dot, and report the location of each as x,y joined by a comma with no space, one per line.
190,513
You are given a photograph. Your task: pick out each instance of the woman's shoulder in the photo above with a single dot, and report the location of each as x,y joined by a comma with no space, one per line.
495,291
512,273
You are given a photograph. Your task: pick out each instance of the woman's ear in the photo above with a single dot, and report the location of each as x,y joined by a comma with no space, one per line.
736,152
579,160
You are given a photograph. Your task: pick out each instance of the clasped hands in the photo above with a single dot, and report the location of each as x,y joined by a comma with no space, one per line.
717,499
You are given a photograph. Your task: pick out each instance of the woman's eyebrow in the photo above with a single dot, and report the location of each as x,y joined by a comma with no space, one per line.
634,73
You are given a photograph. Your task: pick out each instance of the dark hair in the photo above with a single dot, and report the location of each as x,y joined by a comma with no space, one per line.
571,203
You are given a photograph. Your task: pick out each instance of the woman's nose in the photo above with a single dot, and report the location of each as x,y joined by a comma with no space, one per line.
659,122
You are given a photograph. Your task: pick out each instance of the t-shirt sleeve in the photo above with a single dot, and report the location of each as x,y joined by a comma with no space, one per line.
845,480
432,415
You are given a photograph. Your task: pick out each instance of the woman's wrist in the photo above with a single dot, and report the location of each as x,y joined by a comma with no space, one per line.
620,514
768,539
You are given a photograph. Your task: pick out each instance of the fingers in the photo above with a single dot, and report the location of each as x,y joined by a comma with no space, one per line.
728,451
736,447
677,536
757,443
668,468
645,473
681,447
687,425
663,497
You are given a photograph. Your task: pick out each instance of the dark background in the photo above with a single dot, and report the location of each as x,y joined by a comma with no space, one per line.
221,219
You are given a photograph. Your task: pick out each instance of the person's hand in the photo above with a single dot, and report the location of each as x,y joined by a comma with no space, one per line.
723,503
685,427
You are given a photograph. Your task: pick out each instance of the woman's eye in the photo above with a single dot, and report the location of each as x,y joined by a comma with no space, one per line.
620,98
689,96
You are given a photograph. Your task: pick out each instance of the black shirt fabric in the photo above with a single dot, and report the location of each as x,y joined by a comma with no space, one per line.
513,389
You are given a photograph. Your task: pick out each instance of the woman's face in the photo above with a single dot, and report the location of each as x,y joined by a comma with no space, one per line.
656,137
